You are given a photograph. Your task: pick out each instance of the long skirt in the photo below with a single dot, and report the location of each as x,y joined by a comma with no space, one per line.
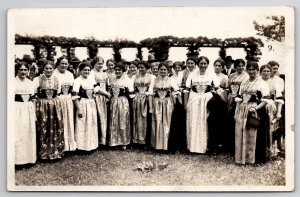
50,129
139,118
86,128
197,132
119,126
230,137
263,139
177,139
101,103
161,122
25,133
273,127
68,119
217,123
247,138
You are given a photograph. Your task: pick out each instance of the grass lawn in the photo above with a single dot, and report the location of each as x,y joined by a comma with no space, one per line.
126,168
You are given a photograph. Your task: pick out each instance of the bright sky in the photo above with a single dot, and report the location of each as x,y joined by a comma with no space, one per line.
140,23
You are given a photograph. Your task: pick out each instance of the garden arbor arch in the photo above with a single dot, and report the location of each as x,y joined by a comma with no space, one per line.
158,46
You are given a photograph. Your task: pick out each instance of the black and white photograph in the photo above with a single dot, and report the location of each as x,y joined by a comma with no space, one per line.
151,99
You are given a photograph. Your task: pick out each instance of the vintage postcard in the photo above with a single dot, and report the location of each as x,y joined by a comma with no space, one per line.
151,99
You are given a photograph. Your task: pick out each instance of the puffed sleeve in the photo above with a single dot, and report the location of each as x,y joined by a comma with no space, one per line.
129,83
215,79
76,89
174,85
150,90
36,84
226,81
263,87
279,88
188,84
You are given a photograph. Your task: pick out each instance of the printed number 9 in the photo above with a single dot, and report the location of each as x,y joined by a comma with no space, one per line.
270,47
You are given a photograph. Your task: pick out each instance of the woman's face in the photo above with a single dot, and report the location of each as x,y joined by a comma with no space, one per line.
218,67
133,69
110,65
98,66
118,72
252,72
266,73
85,71
48,70
177,68
275,69
203,65
142,69
191,65
22,72
154,70
163,71
240,68
63,66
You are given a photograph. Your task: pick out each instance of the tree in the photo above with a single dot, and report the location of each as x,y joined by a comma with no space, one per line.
140,52
273,31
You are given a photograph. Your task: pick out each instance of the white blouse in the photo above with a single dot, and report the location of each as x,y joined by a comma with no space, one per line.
196,78
25,86
169,82
66,78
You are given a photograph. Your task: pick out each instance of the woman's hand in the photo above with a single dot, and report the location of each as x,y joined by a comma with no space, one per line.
79,113
108,95
278,116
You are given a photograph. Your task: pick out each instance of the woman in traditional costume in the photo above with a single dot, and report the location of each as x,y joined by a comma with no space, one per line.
250,103
66,80
50,124
234,83
86,127
102,81
25,131
121,88
141,117
200,85
162,94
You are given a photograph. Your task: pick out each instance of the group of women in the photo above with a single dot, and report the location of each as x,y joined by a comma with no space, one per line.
150,104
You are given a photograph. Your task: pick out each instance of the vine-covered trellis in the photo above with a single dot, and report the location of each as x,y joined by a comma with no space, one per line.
44,45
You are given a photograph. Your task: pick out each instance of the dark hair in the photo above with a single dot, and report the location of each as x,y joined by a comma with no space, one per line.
135,62
229,59
20,64
165,64
95,60
273,63
84,64
194,59
110,60
252,64
265,66
121,66
146,64
221,61
60,59
178,63
203,58
48,62
238,62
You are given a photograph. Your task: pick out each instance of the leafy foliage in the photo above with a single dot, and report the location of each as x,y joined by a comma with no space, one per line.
158,46
273,31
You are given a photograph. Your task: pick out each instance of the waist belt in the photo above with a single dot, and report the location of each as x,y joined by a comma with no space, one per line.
86,93
66,89
47,93
201,88
22,97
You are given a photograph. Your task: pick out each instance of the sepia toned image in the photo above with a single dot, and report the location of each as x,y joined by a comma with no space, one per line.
151,99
